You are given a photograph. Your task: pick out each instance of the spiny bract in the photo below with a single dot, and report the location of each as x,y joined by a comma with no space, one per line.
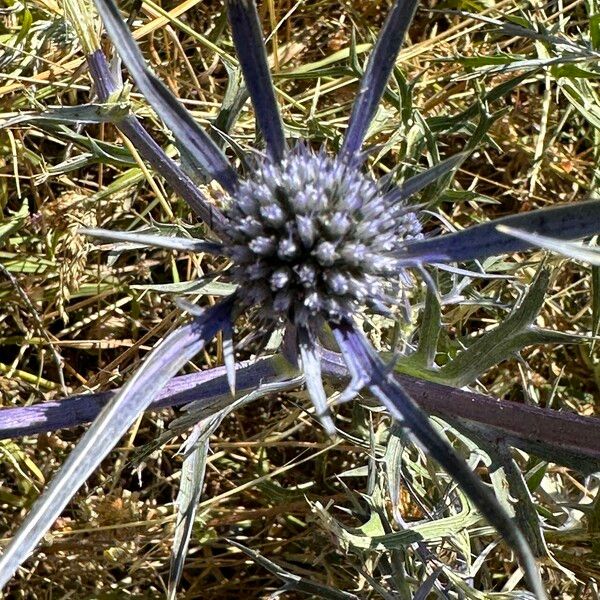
314,237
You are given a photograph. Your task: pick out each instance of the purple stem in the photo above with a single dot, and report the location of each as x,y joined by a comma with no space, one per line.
527,427
520,425
151,152
83,408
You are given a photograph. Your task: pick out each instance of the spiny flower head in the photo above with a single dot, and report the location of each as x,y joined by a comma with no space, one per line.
314,238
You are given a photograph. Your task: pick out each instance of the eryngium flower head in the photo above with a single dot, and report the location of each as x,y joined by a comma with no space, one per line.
313,237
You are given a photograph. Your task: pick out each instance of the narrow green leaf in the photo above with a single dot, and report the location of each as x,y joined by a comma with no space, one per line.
109,112
429,331
188,497
199,286
594,24
14,222
144,239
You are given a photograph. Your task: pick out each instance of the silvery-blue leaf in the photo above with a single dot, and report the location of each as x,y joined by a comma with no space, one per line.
107,84
378,71
109,426
311,367
565,222
205,286
232,104
468,273
171,111
569,249
229,358
364,363
194,467
88,113
192,309
248,40
188,496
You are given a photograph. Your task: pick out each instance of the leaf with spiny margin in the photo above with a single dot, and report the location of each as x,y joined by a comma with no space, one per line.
120,184
267,376
232,104
492,355
467,591
578,459
429,331
295,582
364,363
282,380
509,474
509,485
472,274
582,95
405,94
372,536
461,539
72,163
323,67
511,335
448,124
392,461
104,152
479,133
98,150
109,426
